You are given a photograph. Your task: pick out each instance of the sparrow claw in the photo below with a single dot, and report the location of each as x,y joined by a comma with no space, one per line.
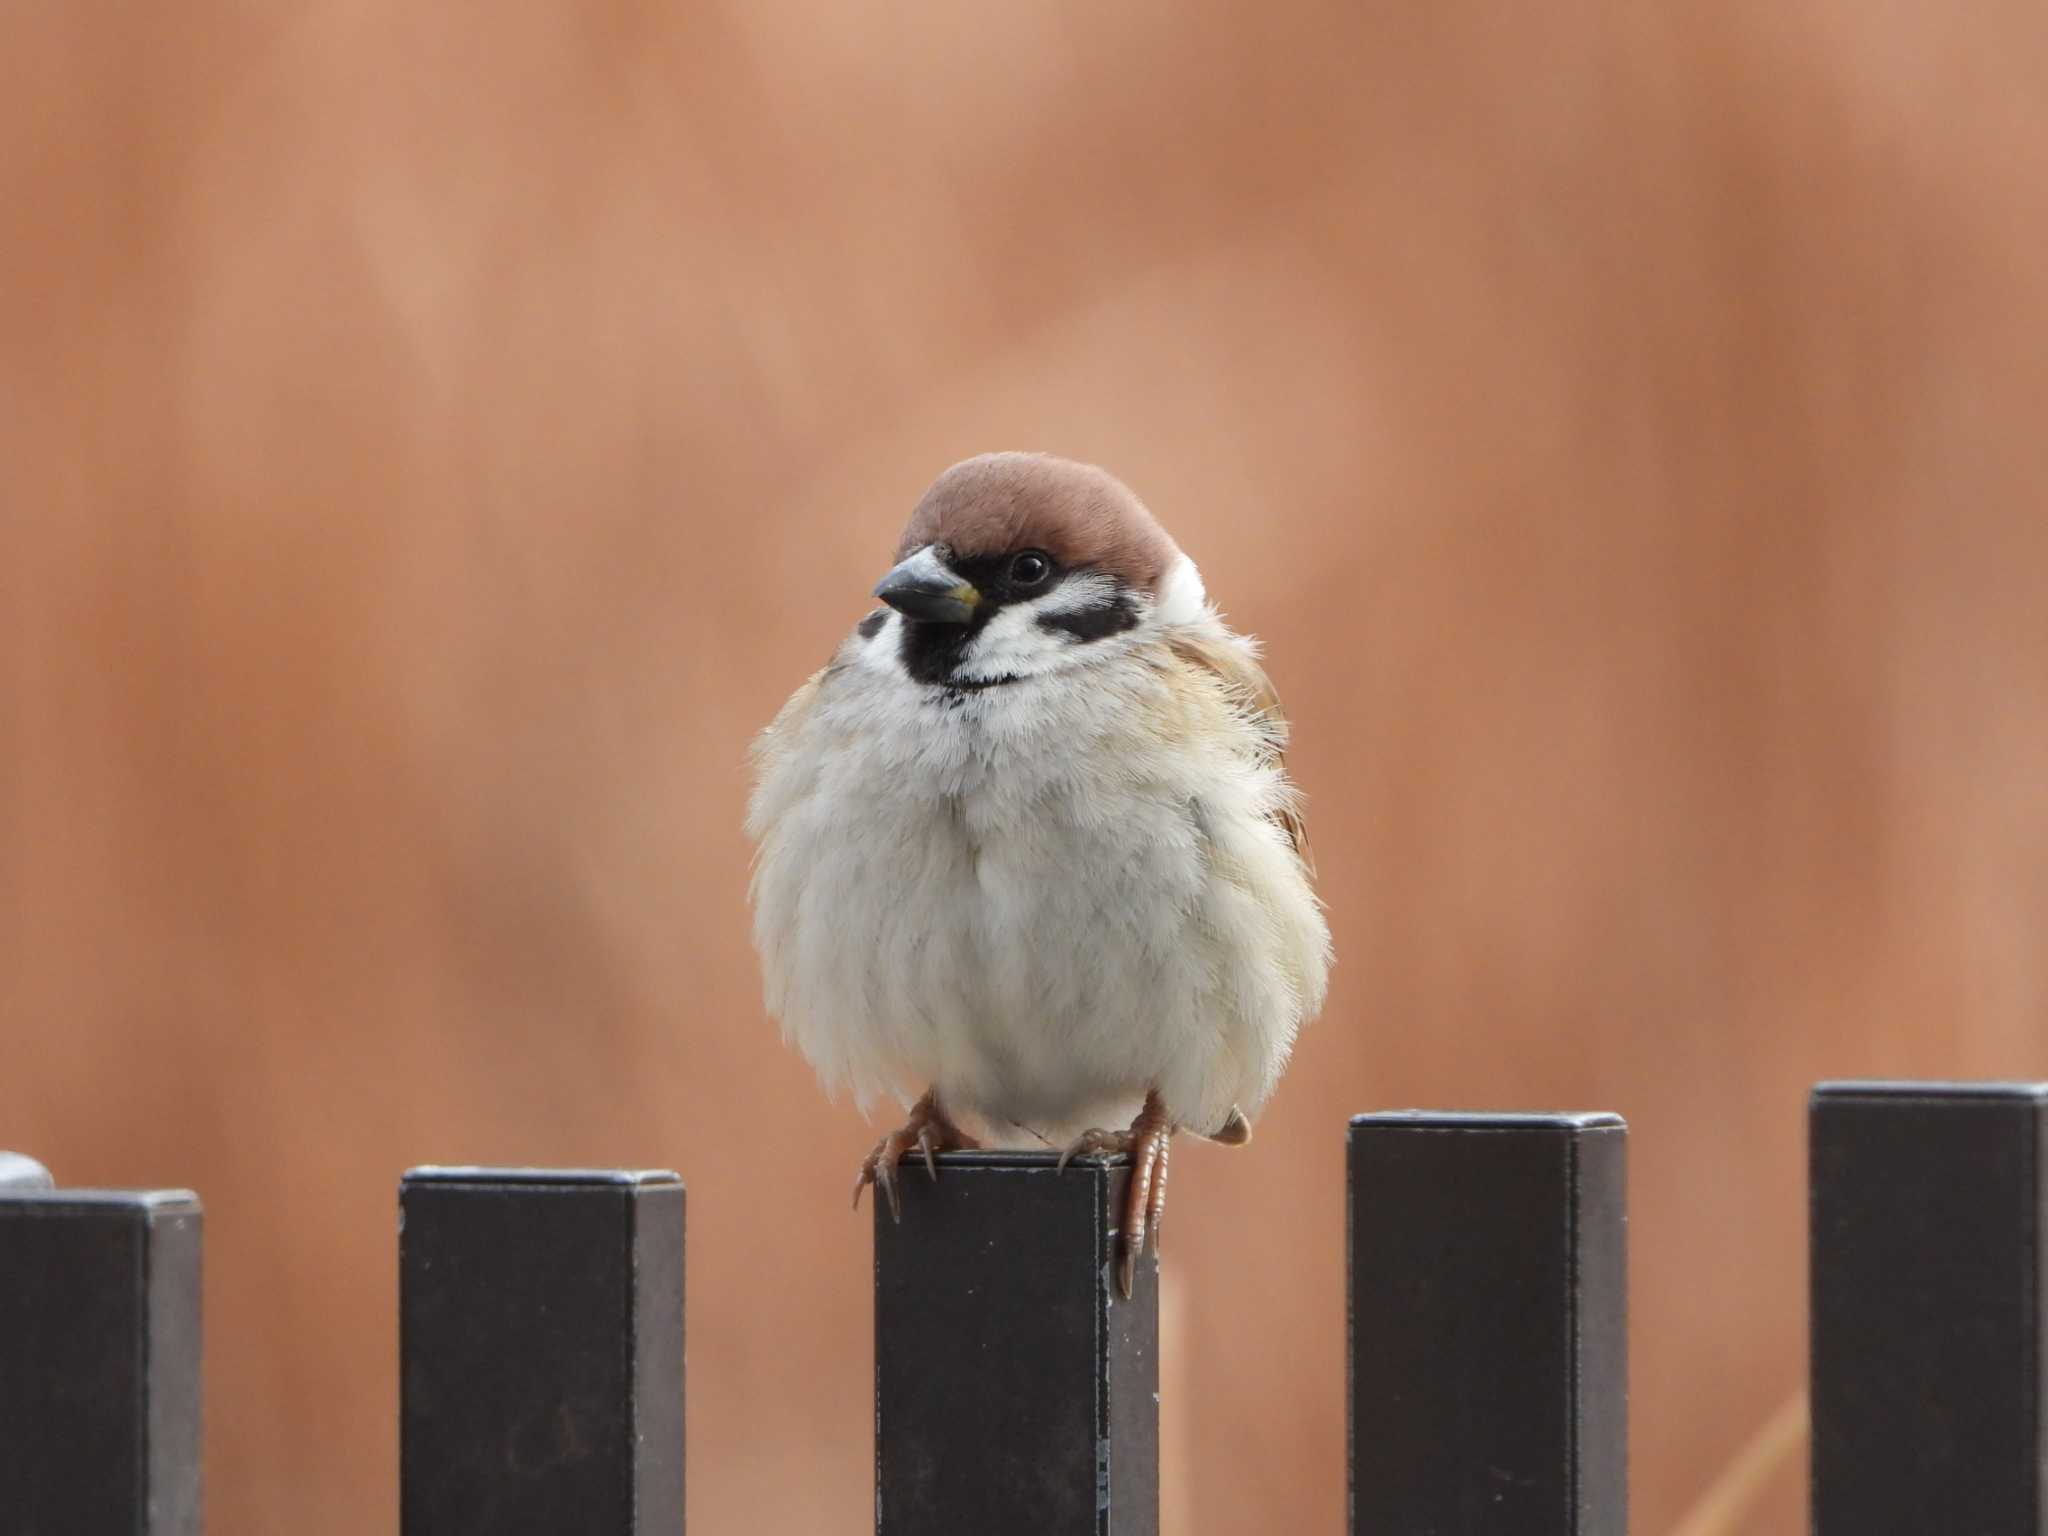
879,1169
929,1131
1147,1143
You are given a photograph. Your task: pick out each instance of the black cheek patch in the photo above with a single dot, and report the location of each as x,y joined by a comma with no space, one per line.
871,626
1098,621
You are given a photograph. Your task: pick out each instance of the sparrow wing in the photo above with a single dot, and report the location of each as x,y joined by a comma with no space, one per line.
773,745
1235,664
785,763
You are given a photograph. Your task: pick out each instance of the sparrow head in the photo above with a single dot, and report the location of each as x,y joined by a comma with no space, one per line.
1014,565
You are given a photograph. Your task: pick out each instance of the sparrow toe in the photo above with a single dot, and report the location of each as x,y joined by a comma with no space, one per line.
1096,1143
1155,1199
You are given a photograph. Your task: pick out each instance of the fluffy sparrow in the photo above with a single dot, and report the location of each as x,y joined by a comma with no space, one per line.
1027,846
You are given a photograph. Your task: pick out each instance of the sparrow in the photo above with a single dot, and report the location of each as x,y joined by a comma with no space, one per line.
1027,852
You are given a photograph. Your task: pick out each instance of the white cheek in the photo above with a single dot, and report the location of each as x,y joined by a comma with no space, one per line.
1076,593
1012,644
880,654
1182,598
1015,644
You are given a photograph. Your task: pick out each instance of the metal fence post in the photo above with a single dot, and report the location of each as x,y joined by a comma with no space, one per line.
99,1358
1016,1391
1928,1276
541,1352
1488,1318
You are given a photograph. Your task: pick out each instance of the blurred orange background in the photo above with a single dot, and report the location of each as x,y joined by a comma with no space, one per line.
433,439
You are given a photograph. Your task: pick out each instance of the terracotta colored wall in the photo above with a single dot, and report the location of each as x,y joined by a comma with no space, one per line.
433,438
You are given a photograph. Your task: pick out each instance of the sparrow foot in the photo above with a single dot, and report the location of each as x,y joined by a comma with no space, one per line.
1147,1143
928,1129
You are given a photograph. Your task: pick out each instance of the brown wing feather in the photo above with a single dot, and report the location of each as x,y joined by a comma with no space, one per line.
1247,684
789,720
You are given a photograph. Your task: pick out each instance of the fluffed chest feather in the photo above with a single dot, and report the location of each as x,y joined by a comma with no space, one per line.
1040,898
992,881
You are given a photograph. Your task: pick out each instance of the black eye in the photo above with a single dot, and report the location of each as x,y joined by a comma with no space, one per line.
1030,568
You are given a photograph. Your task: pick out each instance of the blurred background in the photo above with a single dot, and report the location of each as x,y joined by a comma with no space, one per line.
434,439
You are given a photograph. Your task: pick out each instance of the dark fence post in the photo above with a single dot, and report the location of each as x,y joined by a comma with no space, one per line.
541,1352
1928,1280
99,1358
1016,1391
1489,1328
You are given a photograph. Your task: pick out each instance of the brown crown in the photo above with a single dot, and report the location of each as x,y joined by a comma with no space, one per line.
1080,515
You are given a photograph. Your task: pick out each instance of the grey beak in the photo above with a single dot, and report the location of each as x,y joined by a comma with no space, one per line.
928,590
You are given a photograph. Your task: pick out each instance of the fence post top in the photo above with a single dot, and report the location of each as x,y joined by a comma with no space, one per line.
618,1178
1485,1120
1852,1089
149,1204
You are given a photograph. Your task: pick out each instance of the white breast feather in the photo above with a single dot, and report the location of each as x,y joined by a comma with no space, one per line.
1043,898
